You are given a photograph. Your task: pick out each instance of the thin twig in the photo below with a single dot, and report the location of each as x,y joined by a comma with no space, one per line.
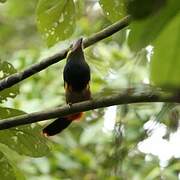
17,77
127,97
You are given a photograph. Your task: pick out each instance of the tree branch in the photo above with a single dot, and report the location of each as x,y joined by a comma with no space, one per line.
128,97
17,77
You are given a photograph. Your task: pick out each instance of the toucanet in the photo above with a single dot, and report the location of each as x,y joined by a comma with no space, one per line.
77,77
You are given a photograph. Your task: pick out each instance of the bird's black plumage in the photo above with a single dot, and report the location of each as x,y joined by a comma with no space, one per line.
76,76
77,71
56,126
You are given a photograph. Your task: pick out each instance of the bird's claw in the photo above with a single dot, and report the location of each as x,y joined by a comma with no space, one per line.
70,105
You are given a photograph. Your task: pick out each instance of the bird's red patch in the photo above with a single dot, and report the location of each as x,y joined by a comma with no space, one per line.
75,117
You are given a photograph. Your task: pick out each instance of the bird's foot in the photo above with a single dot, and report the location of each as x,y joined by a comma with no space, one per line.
70,105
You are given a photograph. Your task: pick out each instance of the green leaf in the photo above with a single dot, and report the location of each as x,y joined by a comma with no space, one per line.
55,20
150,7
145,31
25,140
2,1
12,158
165,62
7,69
7,171
114,10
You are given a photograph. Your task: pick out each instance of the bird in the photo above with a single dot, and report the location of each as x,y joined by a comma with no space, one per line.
77,76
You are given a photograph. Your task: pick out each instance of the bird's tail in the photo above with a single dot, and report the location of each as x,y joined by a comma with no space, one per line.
60,124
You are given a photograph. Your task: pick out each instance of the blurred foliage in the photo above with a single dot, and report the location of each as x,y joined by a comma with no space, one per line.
6,69
106,144
2,1
140,9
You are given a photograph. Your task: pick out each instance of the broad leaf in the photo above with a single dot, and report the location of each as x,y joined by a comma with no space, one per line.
113,9
26,140
145,31
165,62
7,171
12,157
7,69
55,19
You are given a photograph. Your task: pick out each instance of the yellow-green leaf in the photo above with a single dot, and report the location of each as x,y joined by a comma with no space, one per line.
55,20
165,64
26,140
6,69
114,10
7,171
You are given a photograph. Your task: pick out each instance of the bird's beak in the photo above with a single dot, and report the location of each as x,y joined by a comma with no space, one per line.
77,45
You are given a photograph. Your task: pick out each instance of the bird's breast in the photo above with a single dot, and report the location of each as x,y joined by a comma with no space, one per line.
78,96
